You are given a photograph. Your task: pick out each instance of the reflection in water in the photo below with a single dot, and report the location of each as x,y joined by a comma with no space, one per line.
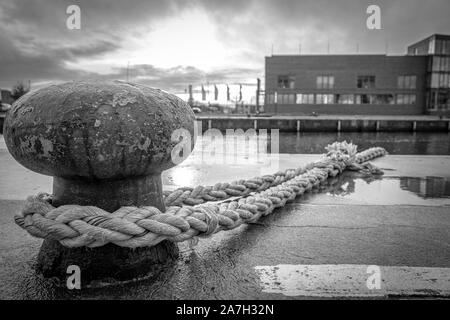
429,187
355,188
420,143
254,148
345,184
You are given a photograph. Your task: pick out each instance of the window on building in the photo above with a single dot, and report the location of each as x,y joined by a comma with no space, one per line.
284,98
430,100
435,80
436,61
443,100
270,98
438,47
366,82
363,99
431,47
384,99
291,99
324,98
345,98
305,98
440,80
442,47
443,64
447,47
407,82
286,82
325,82
406,99
401,82
446,67
439,63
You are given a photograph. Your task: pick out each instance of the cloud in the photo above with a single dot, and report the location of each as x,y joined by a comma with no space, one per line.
178,78
36,45
41,65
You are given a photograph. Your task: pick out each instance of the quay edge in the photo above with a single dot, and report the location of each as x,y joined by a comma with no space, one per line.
327,123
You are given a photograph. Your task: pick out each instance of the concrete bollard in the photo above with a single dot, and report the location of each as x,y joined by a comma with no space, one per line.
105,144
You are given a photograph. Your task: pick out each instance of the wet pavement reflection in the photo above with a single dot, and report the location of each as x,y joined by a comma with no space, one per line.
353,188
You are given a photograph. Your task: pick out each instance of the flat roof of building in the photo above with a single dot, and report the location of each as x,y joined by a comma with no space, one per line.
341,55
435,35
439,36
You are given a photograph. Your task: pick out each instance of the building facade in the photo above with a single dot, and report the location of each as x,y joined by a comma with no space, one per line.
359,84
437,49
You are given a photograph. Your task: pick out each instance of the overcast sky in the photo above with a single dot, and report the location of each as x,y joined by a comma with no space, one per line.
171,43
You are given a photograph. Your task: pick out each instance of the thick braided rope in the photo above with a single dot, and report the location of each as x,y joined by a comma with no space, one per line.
189,196
76,226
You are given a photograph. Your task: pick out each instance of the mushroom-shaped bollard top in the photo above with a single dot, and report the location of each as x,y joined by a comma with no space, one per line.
110,138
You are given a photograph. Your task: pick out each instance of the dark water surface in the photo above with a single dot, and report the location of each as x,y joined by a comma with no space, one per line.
395,143
400,143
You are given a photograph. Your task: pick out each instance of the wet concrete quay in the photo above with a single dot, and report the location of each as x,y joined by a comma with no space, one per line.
400,222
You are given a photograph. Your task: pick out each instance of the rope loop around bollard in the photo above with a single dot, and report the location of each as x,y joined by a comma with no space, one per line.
191,212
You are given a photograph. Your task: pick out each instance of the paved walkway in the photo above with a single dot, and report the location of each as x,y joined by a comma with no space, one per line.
326,244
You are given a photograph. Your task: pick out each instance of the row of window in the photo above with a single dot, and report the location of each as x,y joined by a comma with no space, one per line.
438,100
365,82
439,80
362,82
311,98
439,47
325,82
407,82
286,82
440,64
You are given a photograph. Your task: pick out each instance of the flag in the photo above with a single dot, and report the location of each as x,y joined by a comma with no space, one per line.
203,93
240,92
228,93
216,93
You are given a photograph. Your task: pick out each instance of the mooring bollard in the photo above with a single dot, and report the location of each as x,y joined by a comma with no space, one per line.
105,144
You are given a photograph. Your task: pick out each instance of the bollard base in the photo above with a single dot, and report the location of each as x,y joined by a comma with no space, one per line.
109,195
105,265
109,263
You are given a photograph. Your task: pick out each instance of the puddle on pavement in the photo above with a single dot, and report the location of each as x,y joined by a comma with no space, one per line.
351,188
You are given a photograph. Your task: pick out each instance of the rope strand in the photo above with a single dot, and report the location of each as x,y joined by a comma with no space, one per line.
192,213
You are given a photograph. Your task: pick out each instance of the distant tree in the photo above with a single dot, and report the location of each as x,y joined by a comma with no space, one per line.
19,90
